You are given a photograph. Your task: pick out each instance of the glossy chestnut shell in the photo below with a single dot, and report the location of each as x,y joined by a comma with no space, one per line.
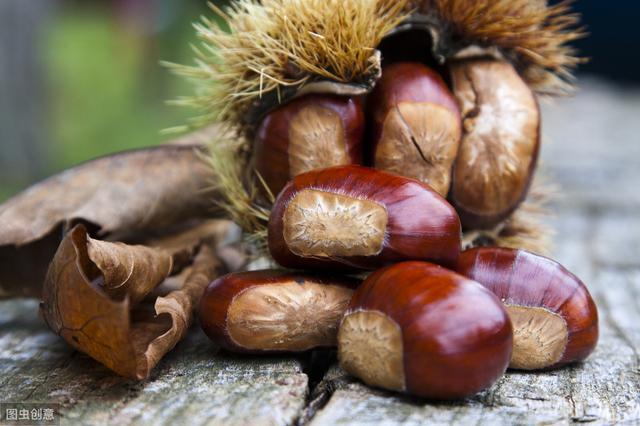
555,319
354,217
416,124
418,328
274,311
310,132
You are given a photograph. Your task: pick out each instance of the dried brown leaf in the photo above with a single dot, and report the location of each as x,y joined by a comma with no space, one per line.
126,270
123,195
189,237
128,341
231,252
126,196
22,268
181,304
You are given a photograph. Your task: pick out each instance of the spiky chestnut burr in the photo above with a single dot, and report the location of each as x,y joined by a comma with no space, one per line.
418,328
500,142
355,217
416,124
554,318
274,311
311,132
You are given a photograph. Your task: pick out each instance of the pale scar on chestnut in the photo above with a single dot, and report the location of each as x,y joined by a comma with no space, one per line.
323,224
539,337
370,347
420,140
316,140
287,316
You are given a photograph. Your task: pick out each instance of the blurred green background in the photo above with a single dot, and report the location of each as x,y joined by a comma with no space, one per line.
80,79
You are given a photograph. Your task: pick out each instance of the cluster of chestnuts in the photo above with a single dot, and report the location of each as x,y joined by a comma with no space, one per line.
476,144
429,320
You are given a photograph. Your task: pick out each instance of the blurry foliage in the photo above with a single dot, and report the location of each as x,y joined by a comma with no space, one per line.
105,86
6,192
108,90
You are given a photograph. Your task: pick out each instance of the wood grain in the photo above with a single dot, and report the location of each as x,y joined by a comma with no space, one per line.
195,383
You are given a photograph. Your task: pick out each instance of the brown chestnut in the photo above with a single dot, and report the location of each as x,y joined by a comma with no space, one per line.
355,217
500,141
419,328
274,311
555,320
416,124
310,132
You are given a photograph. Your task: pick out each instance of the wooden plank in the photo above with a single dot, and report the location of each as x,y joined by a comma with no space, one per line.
193,384
591,146
617,239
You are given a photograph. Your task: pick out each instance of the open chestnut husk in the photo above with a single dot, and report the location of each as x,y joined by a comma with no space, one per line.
311,132
555,320
274,311
416,124
355,217
418,328
500,141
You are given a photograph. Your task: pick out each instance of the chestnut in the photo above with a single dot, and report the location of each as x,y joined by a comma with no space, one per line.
416,124
555,320
500,142
310,132
354,217
418,328
274,311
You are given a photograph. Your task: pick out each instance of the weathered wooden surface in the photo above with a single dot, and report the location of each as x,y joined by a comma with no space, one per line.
594,154
193,384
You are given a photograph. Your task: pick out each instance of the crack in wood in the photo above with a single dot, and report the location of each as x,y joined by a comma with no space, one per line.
322,393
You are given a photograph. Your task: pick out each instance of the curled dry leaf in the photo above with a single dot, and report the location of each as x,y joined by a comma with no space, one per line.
125,196
181,304
125,270
231,250
130,340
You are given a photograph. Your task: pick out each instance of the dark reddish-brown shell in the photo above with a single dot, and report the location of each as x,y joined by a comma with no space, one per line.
521,278
407,82
221,293
416,124
272,140
421,224
456,335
